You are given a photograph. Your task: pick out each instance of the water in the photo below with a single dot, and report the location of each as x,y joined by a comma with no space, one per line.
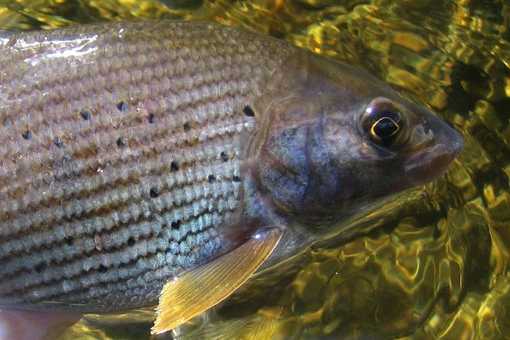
437,265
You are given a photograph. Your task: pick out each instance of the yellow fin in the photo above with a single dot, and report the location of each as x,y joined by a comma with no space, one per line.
204,287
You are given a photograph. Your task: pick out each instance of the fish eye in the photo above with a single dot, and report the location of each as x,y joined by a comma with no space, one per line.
382,121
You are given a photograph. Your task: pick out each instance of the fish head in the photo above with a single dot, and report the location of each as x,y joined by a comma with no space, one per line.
338,138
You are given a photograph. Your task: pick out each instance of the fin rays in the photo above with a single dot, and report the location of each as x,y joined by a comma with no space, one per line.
204,287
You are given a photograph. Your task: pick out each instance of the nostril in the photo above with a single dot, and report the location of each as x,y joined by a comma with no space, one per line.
422,136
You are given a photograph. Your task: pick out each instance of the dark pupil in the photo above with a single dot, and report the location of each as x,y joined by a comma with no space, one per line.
384,128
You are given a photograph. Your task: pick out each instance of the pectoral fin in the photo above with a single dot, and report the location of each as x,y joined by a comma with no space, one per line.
202,288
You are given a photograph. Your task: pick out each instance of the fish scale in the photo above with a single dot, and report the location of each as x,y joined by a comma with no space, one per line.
77,191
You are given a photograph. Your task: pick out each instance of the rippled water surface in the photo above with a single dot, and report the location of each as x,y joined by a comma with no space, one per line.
437,265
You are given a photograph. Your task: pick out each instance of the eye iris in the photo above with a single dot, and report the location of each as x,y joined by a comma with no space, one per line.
384,128
383,122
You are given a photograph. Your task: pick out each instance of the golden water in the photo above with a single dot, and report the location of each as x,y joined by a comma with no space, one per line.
437,267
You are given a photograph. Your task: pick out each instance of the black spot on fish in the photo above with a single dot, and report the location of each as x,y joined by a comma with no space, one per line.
27,135
40,267
236,178
248,111
122,106
121,142
152,118
85,114
176,224
154,192
102,269
69,240
187,126
131,242
211,179
224,156
174,166
58,142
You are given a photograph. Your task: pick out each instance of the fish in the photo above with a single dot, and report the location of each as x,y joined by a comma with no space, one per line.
163,162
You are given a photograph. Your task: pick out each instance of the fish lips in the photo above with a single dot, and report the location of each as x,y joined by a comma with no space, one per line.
430,163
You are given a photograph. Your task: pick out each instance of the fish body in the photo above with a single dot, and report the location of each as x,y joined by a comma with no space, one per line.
149,113
135,152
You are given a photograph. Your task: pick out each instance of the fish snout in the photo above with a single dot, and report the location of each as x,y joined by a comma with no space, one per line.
437,146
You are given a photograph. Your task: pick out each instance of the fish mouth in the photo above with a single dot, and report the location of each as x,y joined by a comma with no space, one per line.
429,164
